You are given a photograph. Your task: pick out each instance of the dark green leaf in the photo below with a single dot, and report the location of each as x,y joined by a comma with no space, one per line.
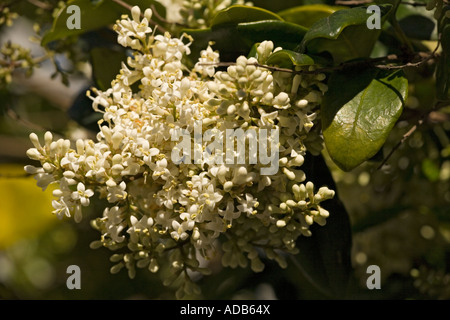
417,27
226,39
235,40
93,16
106,64
358,112
238,13
283,34
276,6
376,218
307,15
288,59
324,258
343,34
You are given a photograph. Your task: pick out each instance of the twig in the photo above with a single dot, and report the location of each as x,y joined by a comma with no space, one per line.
414,4
129,7
402,141
413,129
316,71
414,64
359,2
41,4
13,115
352,2
157,15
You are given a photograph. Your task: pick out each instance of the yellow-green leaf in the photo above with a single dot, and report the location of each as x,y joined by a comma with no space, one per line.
359,111
309,14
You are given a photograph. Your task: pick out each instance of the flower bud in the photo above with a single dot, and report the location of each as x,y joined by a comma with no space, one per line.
34,154
48,138
227,186
136,13
35,140
116,139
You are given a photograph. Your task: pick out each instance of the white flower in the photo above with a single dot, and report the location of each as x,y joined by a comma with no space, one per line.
205,65
82,195
117,193
248,205
61,209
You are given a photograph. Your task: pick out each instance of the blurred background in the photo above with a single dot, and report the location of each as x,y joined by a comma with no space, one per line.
400,214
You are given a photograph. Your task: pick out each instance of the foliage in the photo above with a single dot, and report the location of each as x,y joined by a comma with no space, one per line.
384,119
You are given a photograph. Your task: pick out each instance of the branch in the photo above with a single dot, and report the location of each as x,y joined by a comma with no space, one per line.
413,129
41,4
316,71
352,2
359,2
428,57
157,15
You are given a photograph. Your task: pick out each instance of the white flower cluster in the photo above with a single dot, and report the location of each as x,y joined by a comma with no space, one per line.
161,211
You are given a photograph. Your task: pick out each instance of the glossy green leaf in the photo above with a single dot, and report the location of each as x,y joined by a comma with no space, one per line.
309,14
343,34
358,112
288,59
324,258
239,13
93,16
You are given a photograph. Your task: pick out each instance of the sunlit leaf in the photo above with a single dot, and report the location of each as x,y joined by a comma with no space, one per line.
289,58
358,112
309,14
238,13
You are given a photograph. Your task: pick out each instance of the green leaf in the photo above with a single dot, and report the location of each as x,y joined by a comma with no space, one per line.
239,13
358,112
106,64
235,40
283,34
288,59
324,258
418,27
343,34
226,40
93,16
309,14
375,218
